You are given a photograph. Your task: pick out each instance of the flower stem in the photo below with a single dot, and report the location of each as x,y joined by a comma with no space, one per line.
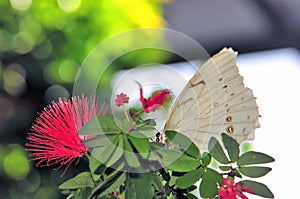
137,113
125,112
88,156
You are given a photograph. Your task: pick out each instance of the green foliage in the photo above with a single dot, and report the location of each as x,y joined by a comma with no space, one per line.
231,146
177,161
254,171
109,154
96,168
137,186
82,180
108,185
99,140
130,165
140,143
81,193
183,142
242,161
189,178
209,183
100,125
257,188
206,158
130,156
215,149
253,157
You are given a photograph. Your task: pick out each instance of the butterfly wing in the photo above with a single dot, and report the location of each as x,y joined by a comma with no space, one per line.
215,100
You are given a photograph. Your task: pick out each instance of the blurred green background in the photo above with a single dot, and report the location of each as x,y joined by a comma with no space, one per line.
42,45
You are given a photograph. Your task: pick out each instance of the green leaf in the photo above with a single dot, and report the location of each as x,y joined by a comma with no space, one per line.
177,161
82,193
140,142
117,154
111,153
109,196
109,185
209,183
108,124
206,158
96,168
157,183
231,146
137,186
148,131
257,188
91,128
82,180
99,140
255,171
216,151
225,168
191,196
100,125
172,181
130,156
183,141
147,122
97,153
192,188
189,178
253,157
156,146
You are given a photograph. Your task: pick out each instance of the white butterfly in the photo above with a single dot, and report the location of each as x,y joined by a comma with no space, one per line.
215,100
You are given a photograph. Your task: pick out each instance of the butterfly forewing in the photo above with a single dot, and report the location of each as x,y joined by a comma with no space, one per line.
215,100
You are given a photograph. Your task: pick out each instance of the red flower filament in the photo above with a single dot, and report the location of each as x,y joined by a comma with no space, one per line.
231,190
154,102
54,136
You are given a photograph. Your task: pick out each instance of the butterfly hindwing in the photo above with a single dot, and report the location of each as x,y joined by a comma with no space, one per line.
215,100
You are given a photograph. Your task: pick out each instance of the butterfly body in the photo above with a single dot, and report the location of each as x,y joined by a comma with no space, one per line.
215,100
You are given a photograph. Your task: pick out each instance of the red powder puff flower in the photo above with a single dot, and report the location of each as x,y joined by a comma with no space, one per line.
54,136
231,190
121,99
154,102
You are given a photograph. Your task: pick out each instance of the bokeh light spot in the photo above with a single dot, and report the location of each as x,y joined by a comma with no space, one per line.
34,33
51,72
43,51
54,92
4,41
18,68
15,164
14,80
22,43
69,5
67,70
31,183
20,4
46,192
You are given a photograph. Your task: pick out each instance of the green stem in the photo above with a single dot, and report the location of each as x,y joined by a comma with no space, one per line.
125,112
88,156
